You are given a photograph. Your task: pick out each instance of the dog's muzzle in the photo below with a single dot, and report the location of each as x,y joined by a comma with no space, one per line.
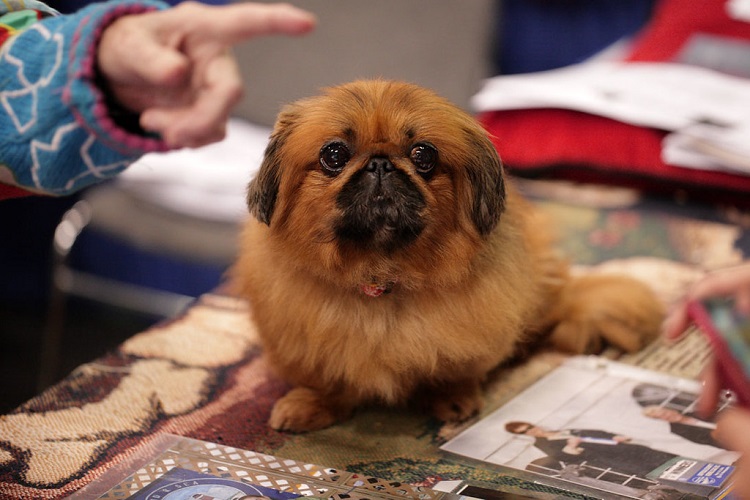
381,207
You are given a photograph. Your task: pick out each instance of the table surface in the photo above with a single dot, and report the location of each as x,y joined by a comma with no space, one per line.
202,375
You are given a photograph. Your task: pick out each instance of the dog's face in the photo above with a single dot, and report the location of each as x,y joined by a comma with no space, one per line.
378,178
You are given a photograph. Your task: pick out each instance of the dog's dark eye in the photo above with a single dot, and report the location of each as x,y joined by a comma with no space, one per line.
424,156
333,157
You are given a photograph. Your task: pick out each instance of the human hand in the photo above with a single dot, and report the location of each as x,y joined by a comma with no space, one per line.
669,415
662,413
175,67
728,282
732,424
731,431
573,446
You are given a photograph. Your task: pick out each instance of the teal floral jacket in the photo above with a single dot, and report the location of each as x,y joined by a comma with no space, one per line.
58,134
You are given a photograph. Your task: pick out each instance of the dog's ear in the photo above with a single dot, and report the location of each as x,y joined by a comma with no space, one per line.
487,184
264,188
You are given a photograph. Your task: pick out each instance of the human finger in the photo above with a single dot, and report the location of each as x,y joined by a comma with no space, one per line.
200,123
731,432
231,24
727,281
731,429
220,90
731,281
709,396
156,63
177,131
183,127
742,300
676,322
234,23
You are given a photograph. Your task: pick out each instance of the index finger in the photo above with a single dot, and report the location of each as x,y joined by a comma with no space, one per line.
730,281
726,281
232,24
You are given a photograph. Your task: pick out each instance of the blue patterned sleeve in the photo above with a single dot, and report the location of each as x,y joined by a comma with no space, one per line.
7,6
57,132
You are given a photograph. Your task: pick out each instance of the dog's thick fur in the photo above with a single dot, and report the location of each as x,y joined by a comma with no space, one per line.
471,269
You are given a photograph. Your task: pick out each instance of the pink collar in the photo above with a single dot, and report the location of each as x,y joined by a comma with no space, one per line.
376,288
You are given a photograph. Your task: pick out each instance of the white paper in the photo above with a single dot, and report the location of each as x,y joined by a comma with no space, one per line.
682,99
739,10
208,182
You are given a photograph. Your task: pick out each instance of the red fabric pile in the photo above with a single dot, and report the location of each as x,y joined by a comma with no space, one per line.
564,144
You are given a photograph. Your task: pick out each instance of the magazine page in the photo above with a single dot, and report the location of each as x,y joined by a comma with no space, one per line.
684,358
595,424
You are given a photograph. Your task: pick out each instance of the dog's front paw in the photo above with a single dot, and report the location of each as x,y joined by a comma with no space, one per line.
303,409
456,402
599,309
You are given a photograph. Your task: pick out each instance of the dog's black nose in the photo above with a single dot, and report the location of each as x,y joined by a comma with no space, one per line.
380,165
381,207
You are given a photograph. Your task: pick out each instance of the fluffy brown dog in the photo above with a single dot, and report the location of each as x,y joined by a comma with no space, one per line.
389,260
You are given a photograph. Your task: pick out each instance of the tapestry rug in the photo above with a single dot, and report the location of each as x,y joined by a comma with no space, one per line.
202,375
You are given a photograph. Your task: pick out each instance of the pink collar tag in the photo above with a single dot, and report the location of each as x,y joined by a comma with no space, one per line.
375,289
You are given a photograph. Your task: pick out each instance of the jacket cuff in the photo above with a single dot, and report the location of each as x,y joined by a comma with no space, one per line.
85,94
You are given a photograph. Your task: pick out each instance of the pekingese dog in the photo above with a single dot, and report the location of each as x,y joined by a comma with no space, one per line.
389,260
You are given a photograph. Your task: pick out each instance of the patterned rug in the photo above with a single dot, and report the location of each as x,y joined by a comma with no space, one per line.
202,375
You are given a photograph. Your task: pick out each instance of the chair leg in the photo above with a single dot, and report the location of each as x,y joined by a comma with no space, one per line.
66,233
51,348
